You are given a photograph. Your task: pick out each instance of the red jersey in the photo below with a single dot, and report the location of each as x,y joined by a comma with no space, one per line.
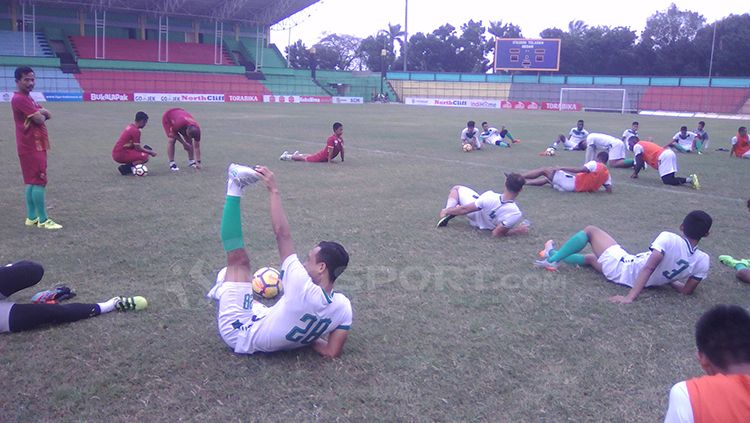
129,137
741,147
720,398
335,142
177,119
30,137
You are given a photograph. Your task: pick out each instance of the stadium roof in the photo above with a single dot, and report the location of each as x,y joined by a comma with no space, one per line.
267,12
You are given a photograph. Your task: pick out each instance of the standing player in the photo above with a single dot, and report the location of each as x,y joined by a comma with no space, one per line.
588,178
672,259
740,144
660,158
489,211
334,147
596,142
309,313
701,140
179,125
32,143
128,150
21,317
722,335
491,135
684,141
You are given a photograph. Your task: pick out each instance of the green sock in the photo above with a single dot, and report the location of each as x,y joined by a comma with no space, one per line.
231,225
698,145
30,208
574,259
629,162
572,246
503,144
739,266
680,148
37,196
509,135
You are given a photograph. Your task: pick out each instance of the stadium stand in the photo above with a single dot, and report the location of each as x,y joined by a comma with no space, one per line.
451,89
284,81
354,84
147,51
47,80
11,44
694,99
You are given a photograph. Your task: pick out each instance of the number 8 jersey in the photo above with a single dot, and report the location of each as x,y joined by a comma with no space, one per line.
303,314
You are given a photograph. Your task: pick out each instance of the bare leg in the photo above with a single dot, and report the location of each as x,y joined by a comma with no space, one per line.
743,275
599,239
238,266
547,172
593,261
299,157
170,149
197,149
538,182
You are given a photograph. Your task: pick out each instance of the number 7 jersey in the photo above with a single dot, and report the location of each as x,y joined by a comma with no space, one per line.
303,314
680,262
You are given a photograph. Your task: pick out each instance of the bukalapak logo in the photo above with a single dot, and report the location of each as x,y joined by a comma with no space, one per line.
108,97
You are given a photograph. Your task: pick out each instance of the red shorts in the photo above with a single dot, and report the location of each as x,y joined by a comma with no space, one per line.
129,156
34,168
320,156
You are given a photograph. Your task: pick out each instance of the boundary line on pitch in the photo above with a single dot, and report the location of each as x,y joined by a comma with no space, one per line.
462,162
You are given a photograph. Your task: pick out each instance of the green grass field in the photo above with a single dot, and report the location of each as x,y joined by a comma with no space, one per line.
450,324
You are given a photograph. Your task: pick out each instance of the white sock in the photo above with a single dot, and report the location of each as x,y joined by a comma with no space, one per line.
452,202
108,306
233,188
191,162
172,163
689,179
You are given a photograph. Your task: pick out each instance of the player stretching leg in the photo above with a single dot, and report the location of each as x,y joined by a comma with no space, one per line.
20,317
672,259
309,313
662,159
589,178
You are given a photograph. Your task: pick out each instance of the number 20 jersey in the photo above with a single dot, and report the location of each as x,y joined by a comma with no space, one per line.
303,314
680,262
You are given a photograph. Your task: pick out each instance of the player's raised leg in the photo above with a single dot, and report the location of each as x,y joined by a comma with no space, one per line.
458,196
599,239
238,262
539,177
19,275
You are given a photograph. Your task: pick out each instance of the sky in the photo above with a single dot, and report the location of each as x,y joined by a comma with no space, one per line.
363,18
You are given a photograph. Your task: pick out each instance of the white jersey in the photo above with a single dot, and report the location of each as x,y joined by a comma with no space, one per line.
493,212
629,133
576,135
490,135
602,142
680,262
687,142
303,314
469,135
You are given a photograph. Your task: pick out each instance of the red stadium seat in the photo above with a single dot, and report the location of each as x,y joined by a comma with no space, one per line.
694,99
147,51
107,81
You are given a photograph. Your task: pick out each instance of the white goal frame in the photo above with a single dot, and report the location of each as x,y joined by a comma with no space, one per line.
623,104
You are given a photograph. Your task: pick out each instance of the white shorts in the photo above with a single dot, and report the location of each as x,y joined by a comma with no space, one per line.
572,143
564,181
5,316
667,162
467,195
236,308
744,156
617,265
617,151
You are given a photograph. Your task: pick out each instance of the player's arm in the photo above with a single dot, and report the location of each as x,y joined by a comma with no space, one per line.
330,154
334,346
688,287
640,281
459,210
342,151
574,170
639,165
608,189
37,117
279,221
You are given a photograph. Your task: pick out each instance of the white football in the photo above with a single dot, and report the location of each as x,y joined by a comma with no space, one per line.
550,151
140,170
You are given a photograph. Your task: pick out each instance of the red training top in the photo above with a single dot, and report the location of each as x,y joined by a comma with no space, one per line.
30,137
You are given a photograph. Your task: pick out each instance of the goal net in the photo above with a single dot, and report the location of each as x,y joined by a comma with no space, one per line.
596,99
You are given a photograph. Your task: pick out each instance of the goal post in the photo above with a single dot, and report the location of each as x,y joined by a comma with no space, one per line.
596,99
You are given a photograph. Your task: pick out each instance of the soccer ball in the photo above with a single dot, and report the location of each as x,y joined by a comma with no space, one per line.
550,151
267,282
467,147
140,170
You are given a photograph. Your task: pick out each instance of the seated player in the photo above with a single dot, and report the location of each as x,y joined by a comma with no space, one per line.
16,317
309,313
179,125
470,135
588,178
722,335
672,259
491,135
128,150
740,144
660,158
489,211
575,136
683,141
596,142
334,147
701,139
630,132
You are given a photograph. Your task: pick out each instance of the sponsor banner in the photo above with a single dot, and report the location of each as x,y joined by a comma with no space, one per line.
572,107
179,97
297,99
539,105
232,98
348,100
63,96
7,96
451,102
88,96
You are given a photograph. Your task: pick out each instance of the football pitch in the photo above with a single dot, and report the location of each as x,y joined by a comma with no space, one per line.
449,324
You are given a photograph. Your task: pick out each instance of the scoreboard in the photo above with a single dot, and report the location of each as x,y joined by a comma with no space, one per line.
527,54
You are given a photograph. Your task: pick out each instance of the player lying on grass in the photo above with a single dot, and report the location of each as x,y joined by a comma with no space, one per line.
491,135
722,335
179,125
334,147
309,313
128,150
683,141
742,266
489,211
740,144
660,158
588,178
16,317
595,143
672,259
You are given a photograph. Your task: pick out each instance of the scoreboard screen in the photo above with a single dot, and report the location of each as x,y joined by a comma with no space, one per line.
527,54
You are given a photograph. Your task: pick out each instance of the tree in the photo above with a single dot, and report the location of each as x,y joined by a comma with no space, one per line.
338,52
731,48
664,29
507,30
472,49
298,55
